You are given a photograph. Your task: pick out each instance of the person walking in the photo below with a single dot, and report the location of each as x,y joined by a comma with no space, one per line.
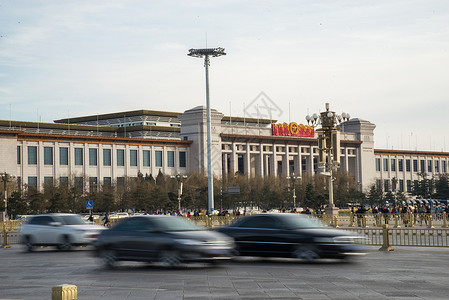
106,219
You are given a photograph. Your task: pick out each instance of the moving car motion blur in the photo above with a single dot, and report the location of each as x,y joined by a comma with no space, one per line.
168,240
60,230
290,235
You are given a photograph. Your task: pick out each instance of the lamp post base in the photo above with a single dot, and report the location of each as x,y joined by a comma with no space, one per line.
331,210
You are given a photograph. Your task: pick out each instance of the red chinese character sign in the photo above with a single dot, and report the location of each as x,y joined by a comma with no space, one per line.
293,129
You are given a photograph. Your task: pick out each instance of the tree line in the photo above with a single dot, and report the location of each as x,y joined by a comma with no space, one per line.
146,193
425,187
151,194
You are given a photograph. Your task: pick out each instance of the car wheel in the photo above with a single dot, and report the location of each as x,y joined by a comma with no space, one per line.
29,247
306,252
65,244
170,258
108,257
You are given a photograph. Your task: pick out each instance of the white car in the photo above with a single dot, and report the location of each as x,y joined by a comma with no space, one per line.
119,215
60,230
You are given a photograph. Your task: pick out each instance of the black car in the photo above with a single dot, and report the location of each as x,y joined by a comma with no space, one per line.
290,235
168,240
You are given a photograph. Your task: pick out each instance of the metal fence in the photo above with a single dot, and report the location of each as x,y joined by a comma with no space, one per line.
422,237
424,230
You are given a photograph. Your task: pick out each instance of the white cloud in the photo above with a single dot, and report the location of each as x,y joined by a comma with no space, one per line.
384,61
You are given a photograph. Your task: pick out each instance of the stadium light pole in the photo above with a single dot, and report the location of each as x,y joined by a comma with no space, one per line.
206,53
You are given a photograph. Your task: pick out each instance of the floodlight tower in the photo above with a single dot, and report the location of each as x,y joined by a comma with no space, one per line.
206,53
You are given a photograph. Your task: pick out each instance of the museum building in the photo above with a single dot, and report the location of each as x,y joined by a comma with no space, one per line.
107,148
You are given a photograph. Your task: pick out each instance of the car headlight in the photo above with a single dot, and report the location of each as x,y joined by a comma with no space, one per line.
347,239
324,240
187,241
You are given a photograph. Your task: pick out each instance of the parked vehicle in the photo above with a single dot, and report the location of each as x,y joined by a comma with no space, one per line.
169,240
290,235
119,215
60,230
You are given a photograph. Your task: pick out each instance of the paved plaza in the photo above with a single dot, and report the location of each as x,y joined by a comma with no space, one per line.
406,273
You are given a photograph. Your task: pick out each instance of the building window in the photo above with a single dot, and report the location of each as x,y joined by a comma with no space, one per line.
107,159
385,164
303,165
378,184
120,181
64,156
400,165
378,164
92,184
407,165
429,166
32,182
18,155
120,157
133,158
409,186
48,155
415,165
78,156
158,158
32,155
386,185
393,165
437,166
423,165
171,159
48,181
146,158
79,183
443,165
401,185
182,159
64,181
107,181
93,157
241,163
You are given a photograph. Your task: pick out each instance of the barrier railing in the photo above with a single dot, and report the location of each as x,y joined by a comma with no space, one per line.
381,229
386,236
395,220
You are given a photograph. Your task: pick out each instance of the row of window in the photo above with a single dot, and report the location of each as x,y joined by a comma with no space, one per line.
78,181
107,157
388,186
390,165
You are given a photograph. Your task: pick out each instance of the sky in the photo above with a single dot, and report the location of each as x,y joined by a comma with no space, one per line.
385,61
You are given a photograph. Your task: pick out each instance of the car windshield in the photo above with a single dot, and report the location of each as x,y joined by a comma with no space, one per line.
176,224
72,220
296,222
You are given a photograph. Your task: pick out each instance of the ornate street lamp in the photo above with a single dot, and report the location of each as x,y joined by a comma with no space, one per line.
206,53
329,146
179,179
5,177
293,182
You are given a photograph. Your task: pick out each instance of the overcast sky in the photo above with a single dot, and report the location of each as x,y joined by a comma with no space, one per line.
385,61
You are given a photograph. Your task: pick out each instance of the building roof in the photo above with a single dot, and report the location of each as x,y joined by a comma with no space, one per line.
119,115
410,152
21,135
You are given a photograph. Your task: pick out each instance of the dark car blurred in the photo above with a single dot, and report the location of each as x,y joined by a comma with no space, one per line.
290,235
168,240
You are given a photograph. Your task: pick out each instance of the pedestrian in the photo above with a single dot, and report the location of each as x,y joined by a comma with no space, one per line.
106,219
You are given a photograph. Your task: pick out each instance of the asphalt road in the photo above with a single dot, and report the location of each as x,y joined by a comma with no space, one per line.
406,273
